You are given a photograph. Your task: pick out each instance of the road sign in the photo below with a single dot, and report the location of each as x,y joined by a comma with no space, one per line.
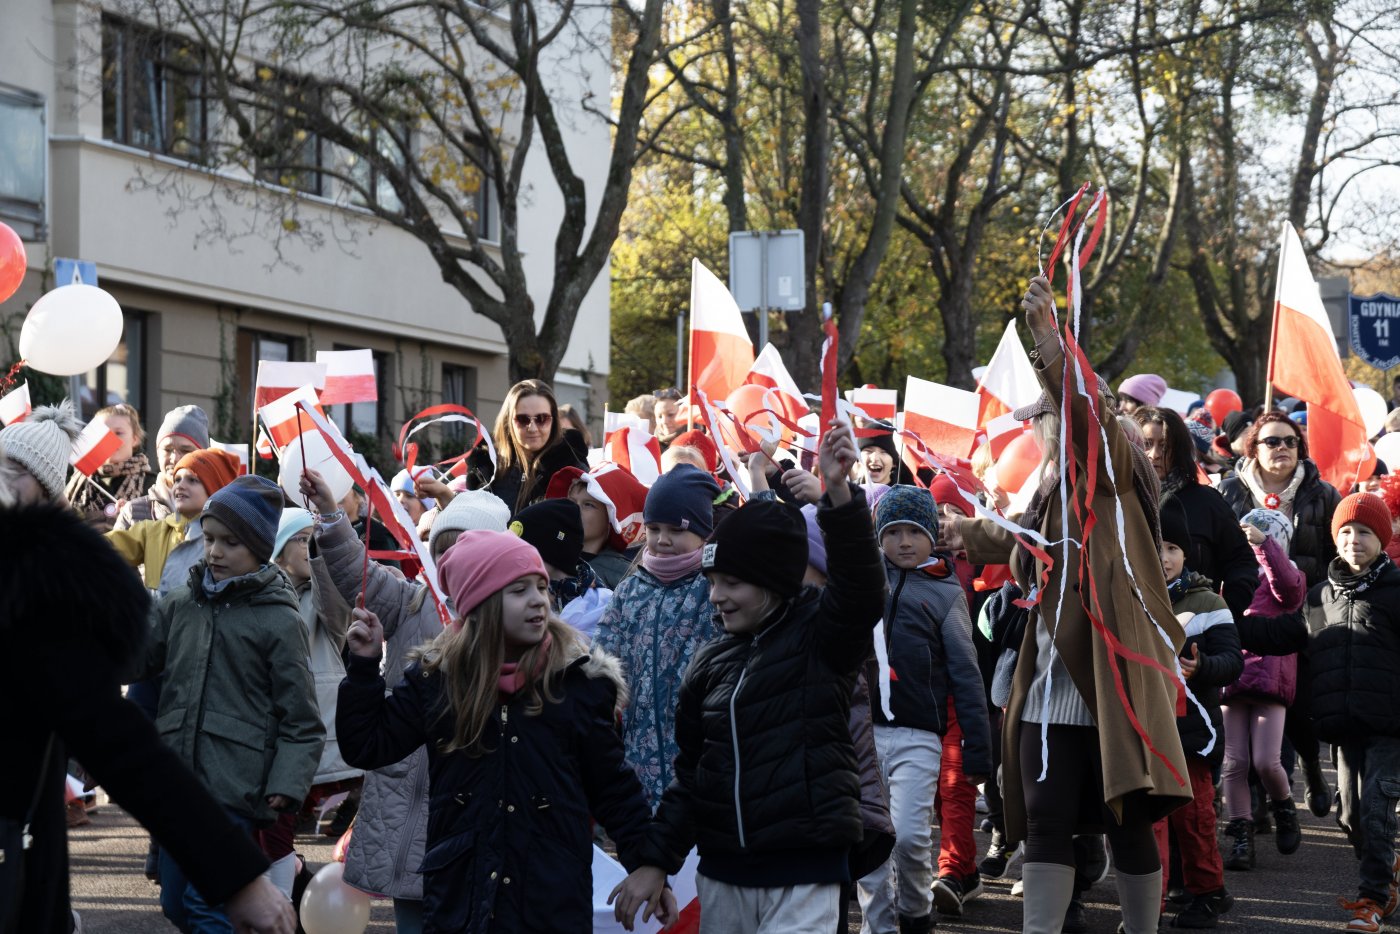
74,272
1374,325
766,269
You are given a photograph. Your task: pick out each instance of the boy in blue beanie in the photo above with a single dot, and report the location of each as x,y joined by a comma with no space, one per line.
239,704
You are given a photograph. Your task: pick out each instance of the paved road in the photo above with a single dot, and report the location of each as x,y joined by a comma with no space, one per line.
1282,894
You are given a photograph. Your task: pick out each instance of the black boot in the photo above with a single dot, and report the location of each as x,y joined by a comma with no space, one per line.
910,925
1260,801
1240,836
1286,819
1319,795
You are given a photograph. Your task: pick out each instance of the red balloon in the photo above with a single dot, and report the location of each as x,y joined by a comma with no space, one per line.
12,262
747,404
1222,402
1018,461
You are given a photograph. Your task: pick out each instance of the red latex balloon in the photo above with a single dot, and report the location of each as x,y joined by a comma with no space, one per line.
1367,466
747,404
1222,402
1017,462
12,262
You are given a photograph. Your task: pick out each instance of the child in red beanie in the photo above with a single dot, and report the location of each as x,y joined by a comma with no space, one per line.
1354,617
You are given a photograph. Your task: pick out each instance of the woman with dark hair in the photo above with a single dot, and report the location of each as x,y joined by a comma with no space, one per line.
1222,552
531,444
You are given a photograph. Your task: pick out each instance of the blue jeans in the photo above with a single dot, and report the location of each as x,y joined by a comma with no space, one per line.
1368,777
183,904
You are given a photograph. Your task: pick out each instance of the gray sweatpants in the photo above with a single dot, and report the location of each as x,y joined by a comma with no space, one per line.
795,909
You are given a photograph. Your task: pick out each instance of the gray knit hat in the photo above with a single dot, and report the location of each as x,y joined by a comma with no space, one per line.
251,507
43,443
474,509
187,421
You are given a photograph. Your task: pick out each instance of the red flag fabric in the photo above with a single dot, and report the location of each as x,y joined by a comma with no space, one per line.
878,404
622,496
829,347
276,378
1009,381
769,372
280,415
721,353
628,443
1304,364
239,451
349,376
943,417
93,447
15,406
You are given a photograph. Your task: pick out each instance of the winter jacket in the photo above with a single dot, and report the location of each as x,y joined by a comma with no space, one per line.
155,505
148,544
874,796
1312,549
655,629
326,616
510,845
1282,589
928,634
1355,653
766,782
1210,628
610,566
238,704
391,827
506,483
73,614
1223,553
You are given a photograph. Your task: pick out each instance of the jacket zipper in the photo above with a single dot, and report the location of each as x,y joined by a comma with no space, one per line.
734,735
656,637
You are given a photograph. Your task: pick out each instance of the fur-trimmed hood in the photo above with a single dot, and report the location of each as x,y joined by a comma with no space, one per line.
62,581
597,663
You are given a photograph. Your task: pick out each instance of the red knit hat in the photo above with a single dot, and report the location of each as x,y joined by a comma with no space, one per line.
215,469
1368,509
702,443
945,493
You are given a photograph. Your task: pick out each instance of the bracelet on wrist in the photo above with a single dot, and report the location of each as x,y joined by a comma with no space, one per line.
326,518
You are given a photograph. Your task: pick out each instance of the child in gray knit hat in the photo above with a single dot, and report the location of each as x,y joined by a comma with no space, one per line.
36,451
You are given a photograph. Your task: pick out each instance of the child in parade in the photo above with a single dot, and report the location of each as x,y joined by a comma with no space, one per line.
518,718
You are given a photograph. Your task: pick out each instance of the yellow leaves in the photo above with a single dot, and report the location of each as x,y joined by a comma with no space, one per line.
291,224
265,73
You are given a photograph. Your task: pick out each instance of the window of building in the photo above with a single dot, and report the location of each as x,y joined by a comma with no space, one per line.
153,91
292,152
483,204
458,388
121,378
365,418
254,346
370,179
23,161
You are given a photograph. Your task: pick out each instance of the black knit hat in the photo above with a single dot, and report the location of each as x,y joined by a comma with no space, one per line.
1234,425
555,528
1176,528
763,542
884,442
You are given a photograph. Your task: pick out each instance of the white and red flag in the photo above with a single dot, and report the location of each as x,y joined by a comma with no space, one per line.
93,447
769,372
628,443
239,451
1303,362
277,378
280,415
721,353
15,406
878,404
944,418
349,376
1009,381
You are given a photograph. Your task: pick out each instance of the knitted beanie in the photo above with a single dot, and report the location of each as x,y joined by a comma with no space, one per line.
215,469
945,493
1202,435
1272,523
907,505
555,528
701,442
816,545
1234,425
1176,528
43,444
1147,388
251,507
293,520
475,509
763,542
1368,509
685,498
188,422
482,562
885,442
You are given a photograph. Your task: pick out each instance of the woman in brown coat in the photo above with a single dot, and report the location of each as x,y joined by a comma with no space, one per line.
1121,780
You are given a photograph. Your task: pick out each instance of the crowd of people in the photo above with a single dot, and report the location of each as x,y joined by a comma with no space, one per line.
1132,655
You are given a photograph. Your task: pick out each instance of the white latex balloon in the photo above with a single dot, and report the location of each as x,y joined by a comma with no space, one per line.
318,457
71,330
1388,450
1373,410
329,906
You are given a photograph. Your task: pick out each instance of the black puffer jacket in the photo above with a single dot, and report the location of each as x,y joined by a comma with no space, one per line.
509,842
766,780
1209,627
1355,652
1312,549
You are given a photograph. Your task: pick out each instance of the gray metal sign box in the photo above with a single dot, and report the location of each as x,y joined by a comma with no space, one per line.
772,255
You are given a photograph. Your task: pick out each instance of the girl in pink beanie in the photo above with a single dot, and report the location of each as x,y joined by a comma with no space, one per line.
519,721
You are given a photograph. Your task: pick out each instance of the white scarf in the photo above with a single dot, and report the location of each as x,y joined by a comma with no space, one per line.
1249,473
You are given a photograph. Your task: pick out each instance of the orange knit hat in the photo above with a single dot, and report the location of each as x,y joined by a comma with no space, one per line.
215,469
1368,509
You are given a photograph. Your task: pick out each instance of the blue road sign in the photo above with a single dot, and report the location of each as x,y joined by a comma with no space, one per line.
1374,325
74,272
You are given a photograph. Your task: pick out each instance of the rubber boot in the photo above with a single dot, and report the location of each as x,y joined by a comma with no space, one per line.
1286,820
1240,833
1046,889
1318,792
1141,898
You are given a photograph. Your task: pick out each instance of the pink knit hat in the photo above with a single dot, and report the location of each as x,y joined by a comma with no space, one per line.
482,562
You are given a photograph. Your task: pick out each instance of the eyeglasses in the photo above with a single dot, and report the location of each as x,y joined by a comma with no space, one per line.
541,420
1290,442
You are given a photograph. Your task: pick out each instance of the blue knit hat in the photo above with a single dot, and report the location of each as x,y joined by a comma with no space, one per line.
251,507
685,498
907,505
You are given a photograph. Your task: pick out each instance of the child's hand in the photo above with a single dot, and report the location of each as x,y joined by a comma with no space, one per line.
280,803
646,885
428,486
365,636
1189,665
837,456
975,780
317,492
950,529
803,485
1255,536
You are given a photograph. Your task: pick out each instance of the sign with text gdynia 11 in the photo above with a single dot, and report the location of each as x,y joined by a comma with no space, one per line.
1375,329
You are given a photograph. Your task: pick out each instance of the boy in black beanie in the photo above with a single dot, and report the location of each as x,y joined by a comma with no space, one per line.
766,782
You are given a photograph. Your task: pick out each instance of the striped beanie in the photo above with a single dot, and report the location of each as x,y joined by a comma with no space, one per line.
251,507
907,505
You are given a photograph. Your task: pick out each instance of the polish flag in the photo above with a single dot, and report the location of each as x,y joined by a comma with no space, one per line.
1304,363
1009,381
880,404
1001,431
239,451
93,447
349,376
721,353
628,444
769,372
278,378
944,418
280,416
15,406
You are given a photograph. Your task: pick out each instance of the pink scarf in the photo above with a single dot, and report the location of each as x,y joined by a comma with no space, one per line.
512,679
670,568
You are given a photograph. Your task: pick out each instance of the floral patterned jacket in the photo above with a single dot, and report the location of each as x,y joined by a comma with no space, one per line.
655,629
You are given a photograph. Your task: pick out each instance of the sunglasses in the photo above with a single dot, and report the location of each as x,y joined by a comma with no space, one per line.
541,420
1290,442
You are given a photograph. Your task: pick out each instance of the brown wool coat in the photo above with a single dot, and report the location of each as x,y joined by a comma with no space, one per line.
1128,765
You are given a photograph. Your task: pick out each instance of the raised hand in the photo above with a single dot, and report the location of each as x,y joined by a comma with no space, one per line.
365,636
317,492
835,458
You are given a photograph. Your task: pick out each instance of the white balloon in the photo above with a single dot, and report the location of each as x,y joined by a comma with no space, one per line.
329,906
71,330
1388,450
318,457
1373,410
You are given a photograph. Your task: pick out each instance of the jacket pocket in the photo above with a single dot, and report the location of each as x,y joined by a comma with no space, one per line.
449,884
234,759
168,725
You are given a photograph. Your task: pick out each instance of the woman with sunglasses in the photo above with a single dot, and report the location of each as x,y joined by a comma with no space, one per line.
531,444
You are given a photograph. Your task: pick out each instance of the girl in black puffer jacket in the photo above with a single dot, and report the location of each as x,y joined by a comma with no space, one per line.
766,782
